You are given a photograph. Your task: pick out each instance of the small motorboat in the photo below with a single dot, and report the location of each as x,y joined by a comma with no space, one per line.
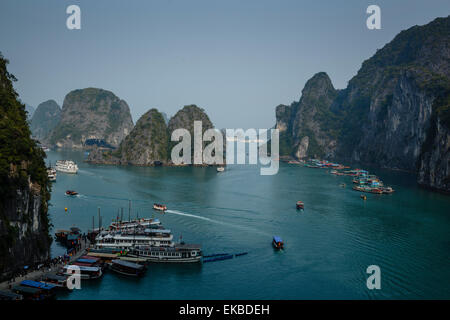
364,197
220,169
277,242
387,190
159,207
300,205
71,193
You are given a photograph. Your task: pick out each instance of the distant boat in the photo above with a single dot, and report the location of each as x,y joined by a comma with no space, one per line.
71,193
220,169
277,242
159,207
387,190
51,174
300,205
66,166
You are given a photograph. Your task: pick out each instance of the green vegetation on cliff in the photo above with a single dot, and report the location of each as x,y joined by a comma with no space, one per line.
22,167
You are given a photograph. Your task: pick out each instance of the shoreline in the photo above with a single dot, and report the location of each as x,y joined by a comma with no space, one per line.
36,274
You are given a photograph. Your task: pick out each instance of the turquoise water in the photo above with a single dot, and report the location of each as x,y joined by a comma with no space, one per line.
327,247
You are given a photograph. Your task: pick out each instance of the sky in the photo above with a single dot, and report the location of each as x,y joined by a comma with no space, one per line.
237,60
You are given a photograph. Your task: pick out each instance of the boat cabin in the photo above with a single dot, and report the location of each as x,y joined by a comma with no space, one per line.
127,268
33,293
54,279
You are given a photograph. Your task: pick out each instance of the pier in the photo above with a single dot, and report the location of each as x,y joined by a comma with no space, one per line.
37,274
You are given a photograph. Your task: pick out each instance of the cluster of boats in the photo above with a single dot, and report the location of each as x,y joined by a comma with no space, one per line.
363,181
143,240
125,248
31,290
69,238
324,164
65,166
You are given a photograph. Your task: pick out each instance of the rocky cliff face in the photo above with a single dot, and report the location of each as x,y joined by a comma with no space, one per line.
45,119
390,110
305,126
92,114
185,119
24,187
149,142
146,145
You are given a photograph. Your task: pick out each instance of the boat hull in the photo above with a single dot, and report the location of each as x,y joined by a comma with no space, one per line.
169,259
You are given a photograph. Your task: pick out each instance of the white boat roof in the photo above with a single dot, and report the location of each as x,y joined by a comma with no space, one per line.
82,268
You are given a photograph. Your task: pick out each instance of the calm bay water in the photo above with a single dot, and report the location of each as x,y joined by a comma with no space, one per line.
328,246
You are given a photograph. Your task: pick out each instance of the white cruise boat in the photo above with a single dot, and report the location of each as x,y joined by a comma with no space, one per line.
66,166
146,240
135,224
179,253
51,173
126,239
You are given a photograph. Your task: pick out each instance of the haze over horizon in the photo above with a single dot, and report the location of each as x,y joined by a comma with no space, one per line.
236,60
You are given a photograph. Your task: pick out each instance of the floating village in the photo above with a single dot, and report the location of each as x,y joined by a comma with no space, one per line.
129,247
362,180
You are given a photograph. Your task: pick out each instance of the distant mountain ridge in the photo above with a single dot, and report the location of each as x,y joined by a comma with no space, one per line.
394,113
45,119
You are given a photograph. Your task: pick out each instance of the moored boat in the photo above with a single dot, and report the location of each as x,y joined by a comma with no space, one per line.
10,296
127,268
179,253
30,293
86,273
220,169
56,280
47,290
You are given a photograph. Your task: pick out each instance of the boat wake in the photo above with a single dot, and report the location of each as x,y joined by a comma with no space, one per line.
215,221
192,215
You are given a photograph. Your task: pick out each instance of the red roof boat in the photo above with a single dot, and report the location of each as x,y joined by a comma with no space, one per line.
159,207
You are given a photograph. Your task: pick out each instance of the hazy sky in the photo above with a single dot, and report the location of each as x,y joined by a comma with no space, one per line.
236,59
